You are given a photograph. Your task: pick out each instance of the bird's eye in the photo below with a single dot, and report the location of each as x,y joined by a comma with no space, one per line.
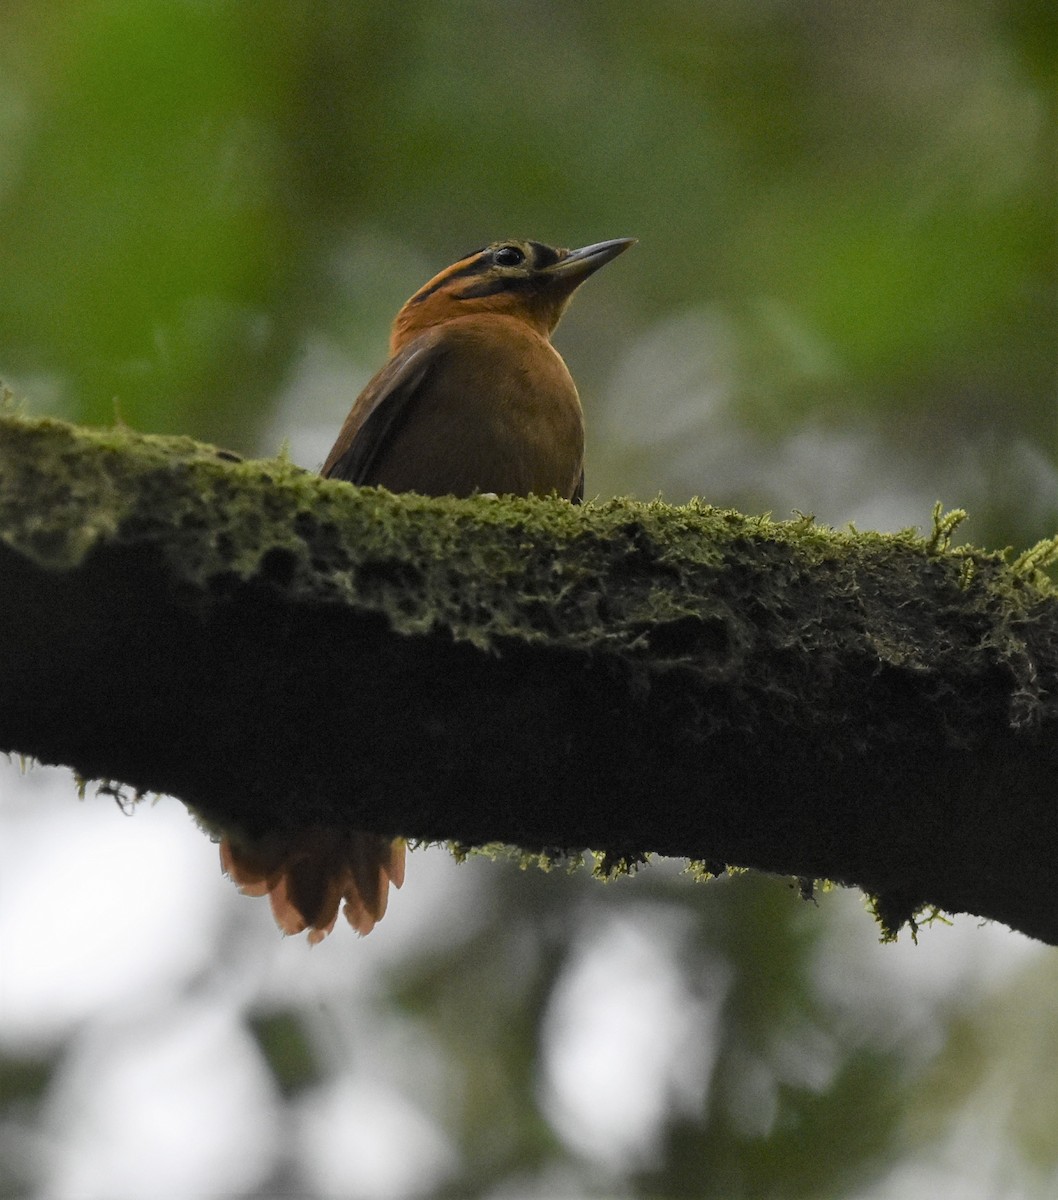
508,256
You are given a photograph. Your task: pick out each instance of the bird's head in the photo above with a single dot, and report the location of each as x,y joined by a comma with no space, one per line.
527,280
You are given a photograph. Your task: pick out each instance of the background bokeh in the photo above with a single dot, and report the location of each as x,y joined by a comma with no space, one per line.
844,301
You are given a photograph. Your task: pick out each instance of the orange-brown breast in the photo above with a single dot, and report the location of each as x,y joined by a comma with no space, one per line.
497,411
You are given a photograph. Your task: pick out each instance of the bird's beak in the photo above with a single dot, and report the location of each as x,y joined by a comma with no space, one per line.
579,264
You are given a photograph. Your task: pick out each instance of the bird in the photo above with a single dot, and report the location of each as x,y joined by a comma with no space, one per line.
473,399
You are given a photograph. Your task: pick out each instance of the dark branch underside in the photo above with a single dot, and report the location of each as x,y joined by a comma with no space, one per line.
281,651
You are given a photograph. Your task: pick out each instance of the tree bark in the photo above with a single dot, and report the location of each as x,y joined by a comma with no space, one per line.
281,651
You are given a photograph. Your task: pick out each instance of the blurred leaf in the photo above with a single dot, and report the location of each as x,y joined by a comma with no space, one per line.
288,1051
147,245
23,1081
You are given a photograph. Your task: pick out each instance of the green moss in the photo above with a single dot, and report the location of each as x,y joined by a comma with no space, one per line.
648,577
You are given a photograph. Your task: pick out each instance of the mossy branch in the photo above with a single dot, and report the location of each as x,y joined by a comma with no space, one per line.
279,650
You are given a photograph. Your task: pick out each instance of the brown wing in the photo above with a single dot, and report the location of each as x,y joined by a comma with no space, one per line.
578,491
380,409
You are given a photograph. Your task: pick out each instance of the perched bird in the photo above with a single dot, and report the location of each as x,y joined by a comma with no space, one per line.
474,398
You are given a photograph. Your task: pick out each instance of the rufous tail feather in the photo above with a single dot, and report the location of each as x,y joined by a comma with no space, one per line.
308,873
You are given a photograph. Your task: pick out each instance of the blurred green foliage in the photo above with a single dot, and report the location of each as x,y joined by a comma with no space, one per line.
847,271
